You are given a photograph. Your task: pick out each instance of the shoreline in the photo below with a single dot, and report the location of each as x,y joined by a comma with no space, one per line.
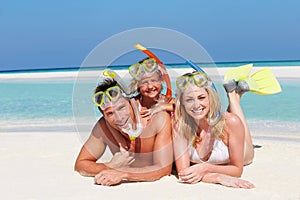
290,72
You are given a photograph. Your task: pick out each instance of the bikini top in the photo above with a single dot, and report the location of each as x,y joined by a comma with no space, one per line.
219,154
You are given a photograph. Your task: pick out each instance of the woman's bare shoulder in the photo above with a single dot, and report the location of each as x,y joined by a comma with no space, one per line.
232,119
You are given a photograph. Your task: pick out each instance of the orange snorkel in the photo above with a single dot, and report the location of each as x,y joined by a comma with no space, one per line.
165,74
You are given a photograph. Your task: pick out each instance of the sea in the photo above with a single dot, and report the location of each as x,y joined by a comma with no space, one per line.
52,105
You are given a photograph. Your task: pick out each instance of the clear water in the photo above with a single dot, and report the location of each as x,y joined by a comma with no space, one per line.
47,105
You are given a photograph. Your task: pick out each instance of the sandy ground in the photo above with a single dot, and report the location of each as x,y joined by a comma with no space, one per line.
39,165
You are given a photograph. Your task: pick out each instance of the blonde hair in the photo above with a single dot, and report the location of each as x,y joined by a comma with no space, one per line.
188,127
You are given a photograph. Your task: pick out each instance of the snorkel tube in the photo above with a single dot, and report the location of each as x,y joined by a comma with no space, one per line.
110,73
165,74
197,68
133,134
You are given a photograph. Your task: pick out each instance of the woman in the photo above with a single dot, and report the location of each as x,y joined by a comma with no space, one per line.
209,146
147,80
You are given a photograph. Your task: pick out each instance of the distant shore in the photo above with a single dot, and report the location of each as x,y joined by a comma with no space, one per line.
288,72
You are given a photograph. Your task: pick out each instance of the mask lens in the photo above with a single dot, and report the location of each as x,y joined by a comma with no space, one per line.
134,70
113,93
98,98
200,79
150,64
182,81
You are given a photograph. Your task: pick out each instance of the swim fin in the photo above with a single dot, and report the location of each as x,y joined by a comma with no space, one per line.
261,82
238,73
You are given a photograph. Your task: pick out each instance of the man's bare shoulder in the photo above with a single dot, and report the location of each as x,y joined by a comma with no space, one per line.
100,129
160,117
160,120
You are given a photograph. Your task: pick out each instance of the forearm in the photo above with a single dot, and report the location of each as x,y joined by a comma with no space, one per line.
89,168
211,178
169,107
149,173
230,170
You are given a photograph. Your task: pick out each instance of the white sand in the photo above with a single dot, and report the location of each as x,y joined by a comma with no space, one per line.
40,166
279,72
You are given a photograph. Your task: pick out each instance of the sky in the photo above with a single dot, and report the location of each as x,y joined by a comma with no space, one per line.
61,33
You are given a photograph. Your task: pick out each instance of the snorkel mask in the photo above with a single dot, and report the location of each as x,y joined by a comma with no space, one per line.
107,98
197,68
147,67
199,79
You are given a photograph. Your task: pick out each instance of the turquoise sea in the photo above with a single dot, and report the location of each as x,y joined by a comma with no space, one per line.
48,105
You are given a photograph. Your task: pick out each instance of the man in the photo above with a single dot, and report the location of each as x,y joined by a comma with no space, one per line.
146,157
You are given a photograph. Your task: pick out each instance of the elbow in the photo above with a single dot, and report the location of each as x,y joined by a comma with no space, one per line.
239,172
80,169
77,166
166,171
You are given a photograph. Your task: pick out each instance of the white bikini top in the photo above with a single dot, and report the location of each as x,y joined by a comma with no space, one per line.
219,154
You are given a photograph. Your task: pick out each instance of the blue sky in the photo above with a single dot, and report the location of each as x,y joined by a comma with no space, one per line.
46,34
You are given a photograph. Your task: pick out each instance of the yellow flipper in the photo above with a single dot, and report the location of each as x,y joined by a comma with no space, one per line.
264,82
238,73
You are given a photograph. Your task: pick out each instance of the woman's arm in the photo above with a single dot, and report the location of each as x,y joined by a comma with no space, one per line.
180,149
226,180
235,133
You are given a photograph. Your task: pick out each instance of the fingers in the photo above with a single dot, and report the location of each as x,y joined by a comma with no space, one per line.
145,113
189,177
245,184
99,178
103,179
122,150
191,180
131,160
235,182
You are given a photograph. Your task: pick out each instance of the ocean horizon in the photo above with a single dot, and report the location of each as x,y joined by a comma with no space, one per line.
221,64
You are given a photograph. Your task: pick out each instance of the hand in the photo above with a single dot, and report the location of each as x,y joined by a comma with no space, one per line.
120,159
150,112
109,177
193,174
234,182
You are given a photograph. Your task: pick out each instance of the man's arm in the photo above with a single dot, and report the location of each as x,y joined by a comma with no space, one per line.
90,152
94,148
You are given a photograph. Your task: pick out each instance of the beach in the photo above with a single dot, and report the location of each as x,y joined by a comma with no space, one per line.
279,72
40,164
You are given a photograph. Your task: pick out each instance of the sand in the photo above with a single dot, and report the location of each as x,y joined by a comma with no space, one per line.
279,72
39,165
